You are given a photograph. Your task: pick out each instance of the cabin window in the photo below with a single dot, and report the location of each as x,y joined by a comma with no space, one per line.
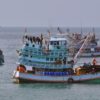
60,43
63,42
55,59
55,43
52,53
30,50
51,59
64,53
47,59
30,56
25,55
26,50
58,47
27,44
39,49
35,52
60,54
33,45
51,42
39,53
56,53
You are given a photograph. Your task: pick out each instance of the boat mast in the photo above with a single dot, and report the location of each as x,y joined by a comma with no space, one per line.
25,31
59,30
68,30
93,29
81,31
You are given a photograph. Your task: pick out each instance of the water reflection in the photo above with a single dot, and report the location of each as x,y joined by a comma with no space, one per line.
47,85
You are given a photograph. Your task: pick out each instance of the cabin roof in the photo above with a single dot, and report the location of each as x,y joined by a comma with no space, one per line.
57,39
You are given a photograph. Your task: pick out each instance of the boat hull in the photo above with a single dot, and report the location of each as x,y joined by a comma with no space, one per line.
31,78
91,81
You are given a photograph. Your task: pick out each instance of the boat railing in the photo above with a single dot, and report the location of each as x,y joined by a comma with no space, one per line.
49,66
53,66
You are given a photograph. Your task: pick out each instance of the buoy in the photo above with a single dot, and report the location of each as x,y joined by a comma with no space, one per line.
21,68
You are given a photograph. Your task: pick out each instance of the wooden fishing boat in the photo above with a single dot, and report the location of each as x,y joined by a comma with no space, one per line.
77,39
47,61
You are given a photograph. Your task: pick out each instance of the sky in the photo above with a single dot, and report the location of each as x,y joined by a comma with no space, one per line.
50,13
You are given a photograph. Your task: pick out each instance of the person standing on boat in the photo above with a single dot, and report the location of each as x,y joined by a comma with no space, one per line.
41,40
94,61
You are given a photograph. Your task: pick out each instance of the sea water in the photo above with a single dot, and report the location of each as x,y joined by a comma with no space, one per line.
10,41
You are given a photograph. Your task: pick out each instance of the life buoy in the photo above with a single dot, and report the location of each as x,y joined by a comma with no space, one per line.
21,68
70,80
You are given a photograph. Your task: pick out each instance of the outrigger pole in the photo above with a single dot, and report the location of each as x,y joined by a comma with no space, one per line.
86,41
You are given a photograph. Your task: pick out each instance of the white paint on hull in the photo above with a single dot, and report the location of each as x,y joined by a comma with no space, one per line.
76,78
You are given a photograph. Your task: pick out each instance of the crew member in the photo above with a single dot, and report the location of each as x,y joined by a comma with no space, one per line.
94,62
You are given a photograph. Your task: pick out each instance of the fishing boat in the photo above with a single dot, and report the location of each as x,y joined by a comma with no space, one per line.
1,57
42,60
77,39
87,73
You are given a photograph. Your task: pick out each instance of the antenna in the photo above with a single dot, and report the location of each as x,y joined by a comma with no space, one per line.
25,30
68,30
81,30
93,29
59,30
23,39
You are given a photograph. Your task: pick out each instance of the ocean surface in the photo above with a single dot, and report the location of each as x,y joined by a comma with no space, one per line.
10,41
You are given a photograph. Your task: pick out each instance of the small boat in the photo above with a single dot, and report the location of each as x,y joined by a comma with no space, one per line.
42,60
1,57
